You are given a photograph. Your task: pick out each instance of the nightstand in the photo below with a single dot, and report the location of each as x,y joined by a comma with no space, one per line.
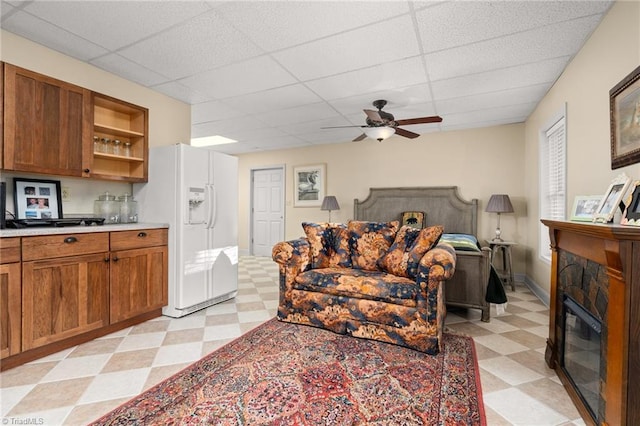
501,250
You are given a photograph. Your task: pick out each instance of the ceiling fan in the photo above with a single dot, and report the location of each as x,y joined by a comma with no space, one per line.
381,124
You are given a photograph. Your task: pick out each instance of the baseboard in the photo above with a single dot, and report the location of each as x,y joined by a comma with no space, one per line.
540,292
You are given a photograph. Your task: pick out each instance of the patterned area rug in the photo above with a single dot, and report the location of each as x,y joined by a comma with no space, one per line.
288,374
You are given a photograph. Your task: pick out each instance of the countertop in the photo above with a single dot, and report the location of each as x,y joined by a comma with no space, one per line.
52,230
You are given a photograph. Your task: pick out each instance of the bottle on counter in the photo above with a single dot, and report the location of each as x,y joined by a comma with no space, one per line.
107,207
128,209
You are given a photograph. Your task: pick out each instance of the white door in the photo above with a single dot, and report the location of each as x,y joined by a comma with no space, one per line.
267,210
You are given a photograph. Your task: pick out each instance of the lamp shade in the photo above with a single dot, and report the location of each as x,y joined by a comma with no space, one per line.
499,203
330,203
379,133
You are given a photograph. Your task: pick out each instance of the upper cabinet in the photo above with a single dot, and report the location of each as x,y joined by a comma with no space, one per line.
46,123
56,128
120,146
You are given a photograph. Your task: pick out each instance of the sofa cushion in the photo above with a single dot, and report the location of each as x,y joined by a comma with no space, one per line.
427,240
395,259
359,284
329,244
369,241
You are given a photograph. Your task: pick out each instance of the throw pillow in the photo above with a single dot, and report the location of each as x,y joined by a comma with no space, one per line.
369,241
395,260
329,244
427,240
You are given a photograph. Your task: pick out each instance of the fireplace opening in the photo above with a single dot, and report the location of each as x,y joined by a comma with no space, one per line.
581,351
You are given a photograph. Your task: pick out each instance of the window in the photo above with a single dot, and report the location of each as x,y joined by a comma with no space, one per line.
553,178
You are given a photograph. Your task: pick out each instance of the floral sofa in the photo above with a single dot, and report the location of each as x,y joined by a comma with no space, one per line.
367,279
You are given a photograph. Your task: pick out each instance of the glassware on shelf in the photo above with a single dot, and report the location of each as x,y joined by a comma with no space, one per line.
126,149
96,144
106,149
115,150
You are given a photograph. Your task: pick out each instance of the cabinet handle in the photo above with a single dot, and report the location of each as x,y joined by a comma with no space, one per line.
70,240
106,259
86,170
115,258
142,234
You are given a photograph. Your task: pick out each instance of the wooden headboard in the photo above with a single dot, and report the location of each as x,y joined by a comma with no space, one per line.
442,205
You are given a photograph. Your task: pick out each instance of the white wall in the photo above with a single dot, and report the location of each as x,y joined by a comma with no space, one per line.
612,52
480,162
169,119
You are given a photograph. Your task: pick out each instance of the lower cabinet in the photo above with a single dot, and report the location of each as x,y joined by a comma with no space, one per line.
138,276
69,288
10,316
64,297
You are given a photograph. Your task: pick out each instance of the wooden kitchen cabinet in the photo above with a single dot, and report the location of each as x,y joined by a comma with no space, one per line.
47,124
116,120
10,303
138,272
64,293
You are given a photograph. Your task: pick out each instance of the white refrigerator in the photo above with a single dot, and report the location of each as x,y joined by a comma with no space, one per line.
195,191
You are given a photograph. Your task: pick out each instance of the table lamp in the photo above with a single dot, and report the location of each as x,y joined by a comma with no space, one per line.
330,203
499,203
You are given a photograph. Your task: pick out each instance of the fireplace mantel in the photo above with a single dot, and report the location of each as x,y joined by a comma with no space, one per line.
616,249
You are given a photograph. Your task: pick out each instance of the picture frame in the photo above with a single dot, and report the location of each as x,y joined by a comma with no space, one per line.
624,108
309,183
413,219
631,215
37,198
584,207
611,200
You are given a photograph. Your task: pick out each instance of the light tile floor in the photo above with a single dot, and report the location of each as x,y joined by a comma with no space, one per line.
78,385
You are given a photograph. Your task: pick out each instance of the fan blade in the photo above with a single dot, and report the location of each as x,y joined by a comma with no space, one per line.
359,138
421,120
406,133
373,115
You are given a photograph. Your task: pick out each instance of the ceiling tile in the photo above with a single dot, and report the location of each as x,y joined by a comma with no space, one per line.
498,99
224,127
114,24
495,80
274,99
123,67
395,97
212,111
387,41
300,114
484,20
407,72
203,43
250,76
275,25
6,10
51,36
517,49
490,115
180,92
248,135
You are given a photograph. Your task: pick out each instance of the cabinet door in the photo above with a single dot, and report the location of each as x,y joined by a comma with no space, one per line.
10,316
46,123
64,297
138,282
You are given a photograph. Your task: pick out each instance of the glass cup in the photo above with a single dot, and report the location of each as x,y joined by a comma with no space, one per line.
106,149
116,148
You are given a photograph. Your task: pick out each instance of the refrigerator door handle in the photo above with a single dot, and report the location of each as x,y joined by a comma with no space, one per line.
214,206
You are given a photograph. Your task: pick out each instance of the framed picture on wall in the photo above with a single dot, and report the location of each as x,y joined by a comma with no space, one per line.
611,200
309,185
624,106
37,198
413,219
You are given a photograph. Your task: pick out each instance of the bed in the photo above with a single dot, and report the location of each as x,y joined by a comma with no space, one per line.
441,205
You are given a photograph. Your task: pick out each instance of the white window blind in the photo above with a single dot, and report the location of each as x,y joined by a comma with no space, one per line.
553,178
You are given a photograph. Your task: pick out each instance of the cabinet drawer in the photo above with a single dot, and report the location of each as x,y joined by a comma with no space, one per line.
125,240
9,250
51,246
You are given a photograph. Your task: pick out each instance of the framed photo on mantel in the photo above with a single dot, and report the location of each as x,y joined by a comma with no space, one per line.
611,200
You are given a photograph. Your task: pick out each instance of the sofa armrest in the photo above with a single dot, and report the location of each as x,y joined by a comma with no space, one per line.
292,254
440,262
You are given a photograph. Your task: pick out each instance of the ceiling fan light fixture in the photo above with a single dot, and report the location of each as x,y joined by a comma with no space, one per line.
379,133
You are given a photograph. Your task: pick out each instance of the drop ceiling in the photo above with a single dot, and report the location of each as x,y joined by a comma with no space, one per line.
272,74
